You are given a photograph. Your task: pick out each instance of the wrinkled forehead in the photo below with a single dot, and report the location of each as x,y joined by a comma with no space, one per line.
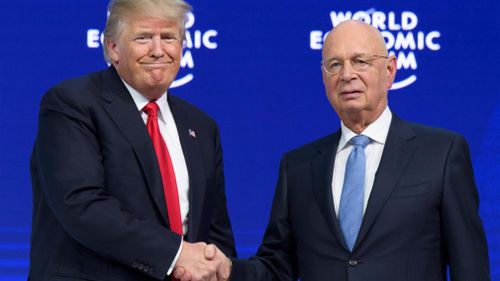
352,38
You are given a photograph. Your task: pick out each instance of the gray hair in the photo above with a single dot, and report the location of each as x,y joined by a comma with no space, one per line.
120,10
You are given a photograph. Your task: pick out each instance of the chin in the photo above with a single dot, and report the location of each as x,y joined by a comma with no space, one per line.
353,107
157,82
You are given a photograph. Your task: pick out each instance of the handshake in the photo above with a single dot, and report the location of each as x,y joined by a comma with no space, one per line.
202,262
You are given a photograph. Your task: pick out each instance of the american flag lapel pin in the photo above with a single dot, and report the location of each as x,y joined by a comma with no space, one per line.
192,133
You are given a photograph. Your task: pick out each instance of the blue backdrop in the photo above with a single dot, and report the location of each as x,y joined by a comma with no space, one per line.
255,67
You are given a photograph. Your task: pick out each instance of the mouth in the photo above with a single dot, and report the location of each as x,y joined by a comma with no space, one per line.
351,94
155,64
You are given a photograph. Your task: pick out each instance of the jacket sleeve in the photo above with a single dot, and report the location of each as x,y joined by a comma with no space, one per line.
72,178
464,237
276,258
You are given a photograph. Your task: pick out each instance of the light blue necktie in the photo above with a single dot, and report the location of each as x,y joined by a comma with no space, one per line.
353,192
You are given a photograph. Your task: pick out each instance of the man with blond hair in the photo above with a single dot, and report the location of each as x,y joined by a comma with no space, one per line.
381,199
128,180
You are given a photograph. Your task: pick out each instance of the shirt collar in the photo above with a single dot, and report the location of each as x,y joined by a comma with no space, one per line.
141,101
376,131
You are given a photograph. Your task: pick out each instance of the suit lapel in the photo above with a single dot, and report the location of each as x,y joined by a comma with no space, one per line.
322,173
121,108
187,130
398,150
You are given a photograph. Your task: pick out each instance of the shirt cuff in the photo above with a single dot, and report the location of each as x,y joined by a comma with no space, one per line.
171,268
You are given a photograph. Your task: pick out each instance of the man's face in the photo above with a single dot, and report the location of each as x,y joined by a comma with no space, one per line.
352,92
146,53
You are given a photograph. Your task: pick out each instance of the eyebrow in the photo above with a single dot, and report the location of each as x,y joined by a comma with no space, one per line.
353,56
143,33
149,35
146,32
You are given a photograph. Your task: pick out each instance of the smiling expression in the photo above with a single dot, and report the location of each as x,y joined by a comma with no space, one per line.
147,54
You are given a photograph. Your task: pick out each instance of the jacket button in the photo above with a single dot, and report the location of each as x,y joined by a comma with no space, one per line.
134,264
353,262
146,268
141,266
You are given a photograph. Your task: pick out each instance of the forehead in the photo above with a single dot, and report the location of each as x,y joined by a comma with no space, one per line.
350,39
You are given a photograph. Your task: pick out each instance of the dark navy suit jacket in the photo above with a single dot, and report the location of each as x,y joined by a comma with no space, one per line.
421,218
98,206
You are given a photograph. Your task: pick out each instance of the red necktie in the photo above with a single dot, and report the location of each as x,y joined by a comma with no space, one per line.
166,168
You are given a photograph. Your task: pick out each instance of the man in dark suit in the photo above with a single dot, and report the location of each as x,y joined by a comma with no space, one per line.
381,199
126,177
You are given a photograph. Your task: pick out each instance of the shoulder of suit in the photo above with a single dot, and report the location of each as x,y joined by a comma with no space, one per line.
429,135
94,79
422,130
79,88
325,144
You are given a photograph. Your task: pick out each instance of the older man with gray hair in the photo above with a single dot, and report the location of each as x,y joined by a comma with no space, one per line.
381,199
128,180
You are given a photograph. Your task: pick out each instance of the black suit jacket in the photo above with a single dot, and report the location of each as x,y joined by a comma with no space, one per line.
421,217
98,206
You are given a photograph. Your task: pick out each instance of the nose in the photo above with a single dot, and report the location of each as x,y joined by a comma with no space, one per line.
348,73
156,49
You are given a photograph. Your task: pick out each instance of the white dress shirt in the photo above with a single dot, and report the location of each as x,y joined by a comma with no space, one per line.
377,132
170,135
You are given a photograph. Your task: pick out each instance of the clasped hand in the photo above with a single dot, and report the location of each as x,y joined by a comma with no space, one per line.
202,262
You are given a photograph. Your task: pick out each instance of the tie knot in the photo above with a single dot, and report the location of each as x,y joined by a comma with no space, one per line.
360,140
151,109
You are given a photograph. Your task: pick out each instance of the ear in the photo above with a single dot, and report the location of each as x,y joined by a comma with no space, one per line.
391,70
111,46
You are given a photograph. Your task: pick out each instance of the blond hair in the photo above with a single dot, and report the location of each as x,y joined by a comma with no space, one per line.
119,11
